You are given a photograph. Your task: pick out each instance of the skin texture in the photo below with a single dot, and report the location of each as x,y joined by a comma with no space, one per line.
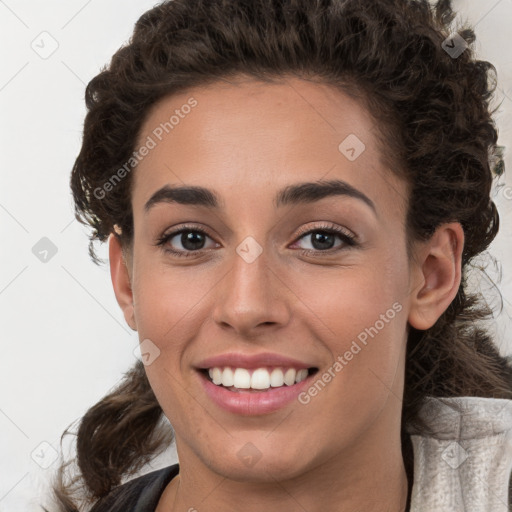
246,141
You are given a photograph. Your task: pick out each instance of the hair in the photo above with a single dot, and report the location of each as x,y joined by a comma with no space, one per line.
437,134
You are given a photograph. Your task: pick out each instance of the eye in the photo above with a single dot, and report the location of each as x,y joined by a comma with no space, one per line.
191,239
323,237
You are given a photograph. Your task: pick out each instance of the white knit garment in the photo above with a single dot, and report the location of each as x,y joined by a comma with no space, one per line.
465,465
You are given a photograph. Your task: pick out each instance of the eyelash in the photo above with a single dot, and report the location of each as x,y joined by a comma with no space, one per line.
348,238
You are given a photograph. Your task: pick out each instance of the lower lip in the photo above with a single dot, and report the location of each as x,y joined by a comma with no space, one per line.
250,403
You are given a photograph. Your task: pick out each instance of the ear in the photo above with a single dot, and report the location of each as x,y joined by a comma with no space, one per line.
437,275
121,280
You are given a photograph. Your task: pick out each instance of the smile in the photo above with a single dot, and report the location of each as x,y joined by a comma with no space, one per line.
254,392
257,379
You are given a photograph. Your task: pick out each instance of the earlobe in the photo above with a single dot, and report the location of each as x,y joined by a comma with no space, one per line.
439,266
121,281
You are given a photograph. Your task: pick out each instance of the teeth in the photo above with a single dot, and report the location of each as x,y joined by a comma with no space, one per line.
301,375
216,375
276,378
242,378
228,377
260,378
289,377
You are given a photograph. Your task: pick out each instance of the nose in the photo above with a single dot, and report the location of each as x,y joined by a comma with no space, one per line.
251,298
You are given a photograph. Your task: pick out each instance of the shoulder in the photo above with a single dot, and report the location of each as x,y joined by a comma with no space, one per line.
139,494
460,418
462,454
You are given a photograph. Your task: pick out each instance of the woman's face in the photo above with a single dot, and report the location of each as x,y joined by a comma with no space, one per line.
269,277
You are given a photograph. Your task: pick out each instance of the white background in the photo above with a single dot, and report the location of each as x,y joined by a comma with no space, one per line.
65,342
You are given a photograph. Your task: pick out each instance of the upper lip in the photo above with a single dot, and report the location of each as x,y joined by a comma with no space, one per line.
238,360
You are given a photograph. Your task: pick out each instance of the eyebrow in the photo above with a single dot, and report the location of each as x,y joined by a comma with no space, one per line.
299,193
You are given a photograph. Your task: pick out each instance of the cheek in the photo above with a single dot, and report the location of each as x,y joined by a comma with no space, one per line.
358,314
346,300
168,309
167,302
167,312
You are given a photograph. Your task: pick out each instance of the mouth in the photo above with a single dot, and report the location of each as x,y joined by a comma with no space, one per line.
254,384
258,380
255,392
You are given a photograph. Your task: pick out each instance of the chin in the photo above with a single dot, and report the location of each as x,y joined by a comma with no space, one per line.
267,466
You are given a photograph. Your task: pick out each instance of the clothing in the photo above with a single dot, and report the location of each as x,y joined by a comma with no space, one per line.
144,492
464,465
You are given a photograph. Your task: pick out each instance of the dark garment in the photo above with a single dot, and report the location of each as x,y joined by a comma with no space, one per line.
141,494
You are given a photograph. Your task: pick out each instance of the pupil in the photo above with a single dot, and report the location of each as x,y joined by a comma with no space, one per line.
188,238
320,237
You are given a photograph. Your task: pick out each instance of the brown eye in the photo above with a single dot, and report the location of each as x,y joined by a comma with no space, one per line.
323,239
192,240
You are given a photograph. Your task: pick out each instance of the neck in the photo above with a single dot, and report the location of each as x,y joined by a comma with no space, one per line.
370,478
373,493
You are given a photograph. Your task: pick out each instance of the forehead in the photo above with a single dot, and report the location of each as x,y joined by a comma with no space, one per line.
249,138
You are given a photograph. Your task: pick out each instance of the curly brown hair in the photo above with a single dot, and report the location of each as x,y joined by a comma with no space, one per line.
437,133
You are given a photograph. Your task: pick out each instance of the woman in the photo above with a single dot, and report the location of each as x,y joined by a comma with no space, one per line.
293,192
